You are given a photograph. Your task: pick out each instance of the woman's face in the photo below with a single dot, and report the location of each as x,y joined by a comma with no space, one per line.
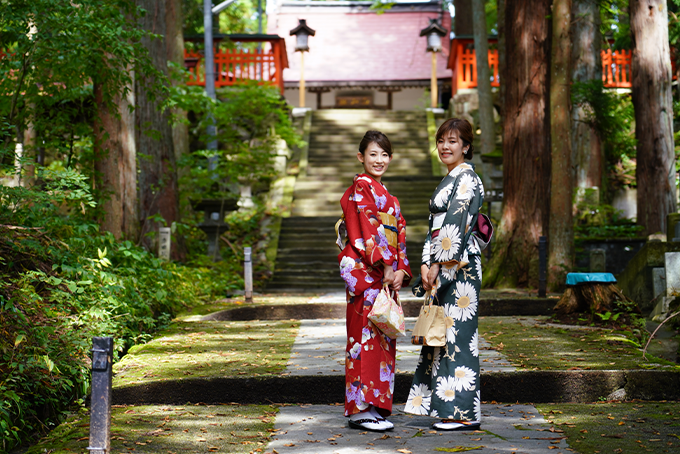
450,148
375,160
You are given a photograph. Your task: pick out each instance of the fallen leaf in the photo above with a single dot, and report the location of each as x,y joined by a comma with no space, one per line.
459,449
404,451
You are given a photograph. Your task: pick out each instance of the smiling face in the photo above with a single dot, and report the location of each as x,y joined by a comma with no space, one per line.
451,149
375,160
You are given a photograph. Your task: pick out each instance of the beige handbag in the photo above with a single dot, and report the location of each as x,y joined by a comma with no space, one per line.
430,329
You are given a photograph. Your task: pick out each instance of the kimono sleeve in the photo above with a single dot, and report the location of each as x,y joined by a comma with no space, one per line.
364,228
403,263
427,250
448,243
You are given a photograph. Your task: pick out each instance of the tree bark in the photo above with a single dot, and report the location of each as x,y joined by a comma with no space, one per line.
462,21
526,145
486,123
115,163
500,17
652,99
159,194
587,153
561,231
175,53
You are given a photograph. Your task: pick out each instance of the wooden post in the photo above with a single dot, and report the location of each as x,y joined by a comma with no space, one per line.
433,82
164,236
302,79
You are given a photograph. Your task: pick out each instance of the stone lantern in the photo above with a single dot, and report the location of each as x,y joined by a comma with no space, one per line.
302,33
434,33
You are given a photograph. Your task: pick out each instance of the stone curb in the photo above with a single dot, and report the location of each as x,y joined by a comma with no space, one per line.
522,387
487,307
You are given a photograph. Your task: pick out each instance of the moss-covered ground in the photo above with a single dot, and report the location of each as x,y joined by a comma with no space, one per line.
628,427
192,349
170,430
543,347
233,303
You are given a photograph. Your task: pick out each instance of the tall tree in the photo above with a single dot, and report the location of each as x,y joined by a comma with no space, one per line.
175,50
158,189
486,123
115,161
586,44
652,99
462,21
561,230
526,144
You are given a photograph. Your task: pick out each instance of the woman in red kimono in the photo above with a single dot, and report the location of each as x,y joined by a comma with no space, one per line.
373,243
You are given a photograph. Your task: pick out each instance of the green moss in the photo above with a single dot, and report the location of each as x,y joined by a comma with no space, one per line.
233,303
540,347
630,427
156,429
210,349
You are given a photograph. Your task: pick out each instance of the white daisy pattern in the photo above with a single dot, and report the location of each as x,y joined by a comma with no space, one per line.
450,323
463,378
436,360
427,252
478,266
447,243
474,344
466,187
446,388
442,196
478,406
466,301
418,401
449,271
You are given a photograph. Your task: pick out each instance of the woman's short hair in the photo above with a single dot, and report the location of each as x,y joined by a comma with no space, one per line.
377,137
464,130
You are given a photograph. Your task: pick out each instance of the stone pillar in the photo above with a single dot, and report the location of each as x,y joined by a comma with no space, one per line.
672,221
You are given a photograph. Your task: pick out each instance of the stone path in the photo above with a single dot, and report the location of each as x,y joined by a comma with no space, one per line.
309,429
319,349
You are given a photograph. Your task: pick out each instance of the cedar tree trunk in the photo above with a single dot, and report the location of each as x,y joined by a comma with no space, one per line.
115,163
486,124
175,51
159,194
561,233
652,99
526,145
462,21
587,153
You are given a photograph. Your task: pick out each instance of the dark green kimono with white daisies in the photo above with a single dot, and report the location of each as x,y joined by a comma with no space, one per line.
446,381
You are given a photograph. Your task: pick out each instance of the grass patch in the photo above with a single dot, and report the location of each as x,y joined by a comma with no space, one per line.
629,427
540,347
174,429
210,349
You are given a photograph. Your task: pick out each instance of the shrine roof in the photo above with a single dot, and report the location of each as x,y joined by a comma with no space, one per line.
354,45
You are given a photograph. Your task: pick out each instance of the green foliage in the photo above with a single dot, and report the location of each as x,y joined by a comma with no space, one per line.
612,116
615,24
239,17
61,283
599,220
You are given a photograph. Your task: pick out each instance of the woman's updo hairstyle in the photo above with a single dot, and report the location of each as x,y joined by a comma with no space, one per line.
464,130
377,137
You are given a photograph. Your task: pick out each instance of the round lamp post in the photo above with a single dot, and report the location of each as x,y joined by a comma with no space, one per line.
302,32
434,33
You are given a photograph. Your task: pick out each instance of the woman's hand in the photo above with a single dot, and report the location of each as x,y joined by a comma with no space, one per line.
424,270
432,274
388,275
398,280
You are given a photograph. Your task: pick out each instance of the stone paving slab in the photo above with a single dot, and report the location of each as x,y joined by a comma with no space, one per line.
319,349
309,429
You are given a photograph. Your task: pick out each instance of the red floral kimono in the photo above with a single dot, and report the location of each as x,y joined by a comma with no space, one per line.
374,234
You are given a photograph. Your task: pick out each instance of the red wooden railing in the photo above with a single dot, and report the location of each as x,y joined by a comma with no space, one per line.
234,66
616,69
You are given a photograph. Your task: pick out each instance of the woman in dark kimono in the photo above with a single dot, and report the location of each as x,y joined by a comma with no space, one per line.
446,381
373,243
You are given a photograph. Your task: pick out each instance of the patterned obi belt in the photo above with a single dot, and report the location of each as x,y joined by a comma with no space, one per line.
389,223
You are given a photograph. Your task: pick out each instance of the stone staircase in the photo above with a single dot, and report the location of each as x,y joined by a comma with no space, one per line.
307,255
